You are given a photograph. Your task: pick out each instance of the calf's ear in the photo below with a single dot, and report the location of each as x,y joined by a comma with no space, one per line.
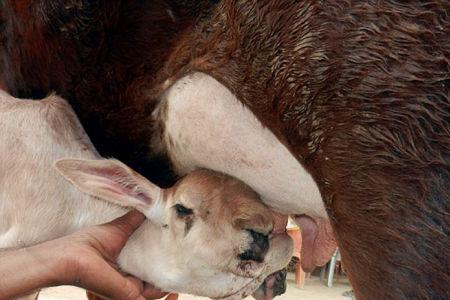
110,180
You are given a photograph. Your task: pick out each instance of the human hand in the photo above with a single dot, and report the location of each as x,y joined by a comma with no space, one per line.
89,260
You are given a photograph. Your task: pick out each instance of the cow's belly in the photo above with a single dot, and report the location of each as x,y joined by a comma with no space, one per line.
207,127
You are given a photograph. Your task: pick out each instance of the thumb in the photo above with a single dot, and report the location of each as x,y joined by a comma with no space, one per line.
116,233
127,223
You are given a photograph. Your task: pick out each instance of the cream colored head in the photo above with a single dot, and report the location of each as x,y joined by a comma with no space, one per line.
208,235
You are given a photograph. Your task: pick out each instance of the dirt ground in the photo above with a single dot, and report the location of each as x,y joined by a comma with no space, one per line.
314,290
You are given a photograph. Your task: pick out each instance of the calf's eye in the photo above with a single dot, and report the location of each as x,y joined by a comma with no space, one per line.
182,211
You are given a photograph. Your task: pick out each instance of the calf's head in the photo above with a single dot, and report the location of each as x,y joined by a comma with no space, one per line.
208,235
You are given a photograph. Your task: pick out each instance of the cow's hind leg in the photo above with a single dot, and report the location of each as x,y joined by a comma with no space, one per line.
390,214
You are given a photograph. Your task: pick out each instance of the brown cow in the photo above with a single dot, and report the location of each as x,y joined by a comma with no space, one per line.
357,91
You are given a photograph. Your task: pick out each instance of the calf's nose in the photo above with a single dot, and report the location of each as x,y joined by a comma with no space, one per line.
258,247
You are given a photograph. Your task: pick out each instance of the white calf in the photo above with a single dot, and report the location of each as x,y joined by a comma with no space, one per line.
209,235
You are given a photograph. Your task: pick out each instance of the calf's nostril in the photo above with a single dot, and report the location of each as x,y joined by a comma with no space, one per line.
258,247
260,241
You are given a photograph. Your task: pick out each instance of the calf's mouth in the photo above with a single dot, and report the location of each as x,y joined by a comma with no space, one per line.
274,285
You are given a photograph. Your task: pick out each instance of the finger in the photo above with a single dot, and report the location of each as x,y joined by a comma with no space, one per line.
172,297
128,223
92,296
139,284
152,292
113,285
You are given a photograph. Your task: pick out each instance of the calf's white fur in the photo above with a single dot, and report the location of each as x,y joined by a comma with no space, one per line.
195,253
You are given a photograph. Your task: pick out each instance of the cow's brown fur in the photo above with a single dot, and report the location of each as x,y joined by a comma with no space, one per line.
358,90
100,55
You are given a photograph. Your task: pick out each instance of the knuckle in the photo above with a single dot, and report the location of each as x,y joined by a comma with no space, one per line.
130,293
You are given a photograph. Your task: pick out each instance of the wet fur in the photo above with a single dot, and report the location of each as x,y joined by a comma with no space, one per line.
359,91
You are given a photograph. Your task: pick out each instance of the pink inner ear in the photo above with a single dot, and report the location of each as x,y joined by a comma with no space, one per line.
122,182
